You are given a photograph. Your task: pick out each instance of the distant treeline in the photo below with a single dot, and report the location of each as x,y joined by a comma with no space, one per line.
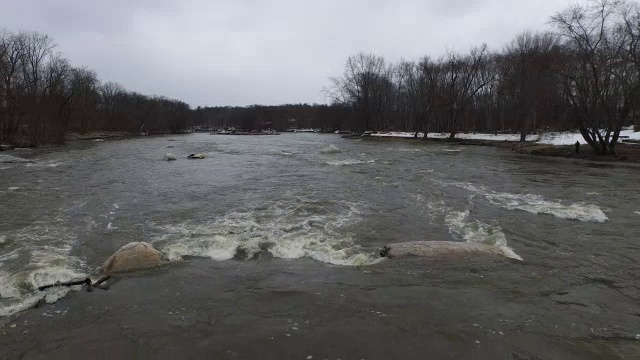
42,96
584,75
280,117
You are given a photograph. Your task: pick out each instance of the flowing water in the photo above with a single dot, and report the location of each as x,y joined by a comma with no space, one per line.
275,242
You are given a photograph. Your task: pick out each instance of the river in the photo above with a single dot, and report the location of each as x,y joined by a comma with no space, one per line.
275,242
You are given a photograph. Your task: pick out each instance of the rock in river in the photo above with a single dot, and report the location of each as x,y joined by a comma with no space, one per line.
443,248
133,256
169,157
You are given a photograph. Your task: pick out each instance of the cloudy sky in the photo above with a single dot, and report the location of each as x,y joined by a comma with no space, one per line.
241,52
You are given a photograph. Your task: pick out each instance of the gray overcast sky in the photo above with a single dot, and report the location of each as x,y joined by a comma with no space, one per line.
234,52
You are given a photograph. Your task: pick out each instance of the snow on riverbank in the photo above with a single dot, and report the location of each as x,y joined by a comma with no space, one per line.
468,136
570,138
551,138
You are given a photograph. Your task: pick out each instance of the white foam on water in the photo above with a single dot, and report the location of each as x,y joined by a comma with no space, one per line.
331,149
37,255
287,229
13,188
478,232
111,217
49,164
537,204
285,152
637,212
403,149
350,162
462,228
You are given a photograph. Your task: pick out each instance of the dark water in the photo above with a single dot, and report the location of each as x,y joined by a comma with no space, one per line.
275,244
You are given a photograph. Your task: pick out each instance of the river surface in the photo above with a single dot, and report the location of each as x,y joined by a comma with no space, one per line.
275,242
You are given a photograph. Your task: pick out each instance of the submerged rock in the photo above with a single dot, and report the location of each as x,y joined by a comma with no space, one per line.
133,256
13,159
4,147
443,248
169,157
196,156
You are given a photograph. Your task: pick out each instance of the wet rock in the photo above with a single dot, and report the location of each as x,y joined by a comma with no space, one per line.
4,147
444,248
133,256
169,157
196,156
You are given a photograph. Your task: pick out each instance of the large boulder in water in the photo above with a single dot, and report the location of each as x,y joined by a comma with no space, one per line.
445,248
169,157
133,256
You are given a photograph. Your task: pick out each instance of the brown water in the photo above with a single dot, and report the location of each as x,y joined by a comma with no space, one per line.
275,244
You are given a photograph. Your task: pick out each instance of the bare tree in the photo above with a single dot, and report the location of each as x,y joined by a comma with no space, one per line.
362,86
462,81
590,74
525,76
629,30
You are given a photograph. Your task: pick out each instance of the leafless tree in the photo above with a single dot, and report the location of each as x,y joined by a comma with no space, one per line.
363,85
591,72
462,80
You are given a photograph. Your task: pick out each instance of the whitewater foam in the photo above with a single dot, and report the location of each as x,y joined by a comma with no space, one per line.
36,255
286,229
478,232
331,149
462,228
49,164
350,162
537,204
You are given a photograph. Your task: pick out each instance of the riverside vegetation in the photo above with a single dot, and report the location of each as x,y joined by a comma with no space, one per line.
582,74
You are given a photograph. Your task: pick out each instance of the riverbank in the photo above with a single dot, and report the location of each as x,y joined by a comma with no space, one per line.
100,135
626,152
71,137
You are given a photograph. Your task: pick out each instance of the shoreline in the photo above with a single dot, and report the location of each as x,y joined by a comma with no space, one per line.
626,153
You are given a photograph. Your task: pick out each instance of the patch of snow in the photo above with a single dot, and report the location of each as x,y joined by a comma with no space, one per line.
570,138
551,138
468,136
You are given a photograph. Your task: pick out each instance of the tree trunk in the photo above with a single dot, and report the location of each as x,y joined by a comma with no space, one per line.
523,130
